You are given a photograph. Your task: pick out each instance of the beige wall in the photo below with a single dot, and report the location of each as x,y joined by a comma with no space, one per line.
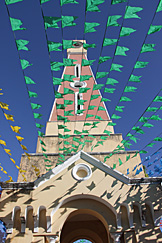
62,194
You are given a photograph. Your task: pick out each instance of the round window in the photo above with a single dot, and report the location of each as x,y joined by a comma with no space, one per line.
77,44
77,84
81,172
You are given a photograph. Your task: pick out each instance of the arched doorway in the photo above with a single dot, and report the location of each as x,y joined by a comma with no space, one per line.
84,225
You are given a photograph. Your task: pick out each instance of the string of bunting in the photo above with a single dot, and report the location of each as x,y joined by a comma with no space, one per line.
132,77
137,129
89,27
55,66
21,45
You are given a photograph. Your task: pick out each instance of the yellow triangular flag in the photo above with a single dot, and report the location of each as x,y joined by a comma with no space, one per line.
13,160
3,142
8,151
4,106
22,171
15,129
19,138
4,171
27,155
10,180
24,147
9,117
17,167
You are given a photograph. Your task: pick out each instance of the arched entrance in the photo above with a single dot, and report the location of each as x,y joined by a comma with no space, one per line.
84,224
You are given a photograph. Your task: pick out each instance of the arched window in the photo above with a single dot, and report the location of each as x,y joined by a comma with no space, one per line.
78,103
77,70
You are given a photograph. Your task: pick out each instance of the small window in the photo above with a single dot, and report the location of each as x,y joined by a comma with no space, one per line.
77,70
81,172
77,84
78,104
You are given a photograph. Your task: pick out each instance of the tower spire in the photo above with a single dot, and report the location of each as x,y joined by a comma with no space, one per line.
81,90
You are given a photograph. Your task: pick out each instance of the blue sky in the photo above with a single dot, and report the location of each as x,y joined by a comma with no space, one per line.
12,80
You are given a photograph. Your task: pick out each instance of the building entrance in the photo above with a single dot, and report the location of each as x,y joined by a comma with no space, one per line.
83,227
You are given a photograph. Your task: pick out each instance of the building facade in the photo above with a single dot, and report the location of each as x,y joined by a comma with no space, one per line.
84,197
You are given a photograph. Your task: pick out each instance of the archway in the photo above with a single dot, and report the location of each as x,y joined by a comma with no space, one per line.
84,224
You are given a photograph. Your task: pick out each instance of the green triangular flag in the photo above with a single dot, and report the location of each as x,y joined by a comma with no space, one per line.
89,27
97,86
32,94
134,78
101,74
21,45
57,81
109,90
44,1
68,113
100,108
114,166
120,162
140,64
107,132
92,6
103,59
58,95
35,106
83,90
158,99
111,81
62,2
37,115
89,115
91,107
150,109
131,12
130,89
115,117
118,1
55,66
39,125
68,21
68,62
154,28
53,46
87,62
68,77
68,91
112,20
67,44
159,8
93,97
51,22
148,125
119,108
15,24
85,77
147,48
155,117
109,42
125,31
138,129
158,139
25,63
123,98
28,80
120,51
12,1
116,67
68,102
86,46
